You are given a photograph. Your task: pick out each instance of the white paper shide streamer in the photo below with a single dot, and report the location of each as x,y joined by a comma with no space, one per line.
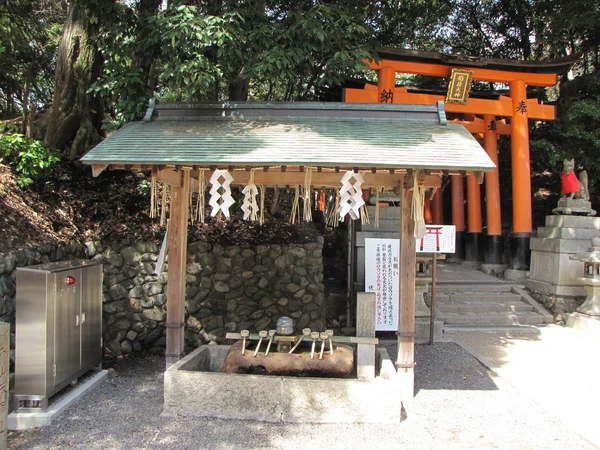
418,202
220,192
250,206
351,195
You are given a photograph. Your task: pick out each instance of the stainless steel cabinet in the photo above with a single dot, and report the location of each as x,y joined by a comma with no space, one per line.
58,328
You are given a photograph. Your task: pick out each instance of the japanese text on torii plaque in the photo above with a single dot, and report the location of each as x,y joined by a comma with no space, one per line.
459,86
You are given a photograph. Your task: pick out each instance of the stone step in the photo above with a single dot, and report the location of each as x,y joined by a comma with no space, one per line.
362,235
384,225
484,298
495,318
484,307
385,212
473,288
458,328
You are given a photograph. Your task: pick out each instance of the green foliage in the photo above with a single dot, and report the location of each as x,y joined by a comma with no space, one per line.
576,135
281,51
189,39
29,34
7,127
28,158
122,84
305,49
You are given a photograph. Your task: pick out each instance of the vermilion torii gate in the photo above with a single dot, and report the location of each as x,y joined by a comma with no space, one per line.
480,117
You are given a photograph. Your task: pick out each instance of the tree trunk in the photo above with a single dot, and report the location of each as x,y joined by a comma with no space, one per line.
146,9
25,128
239,87
76,116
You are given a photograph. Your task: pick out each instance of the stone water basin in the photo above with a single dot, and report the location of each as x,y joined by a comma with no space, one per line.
194,386
340,364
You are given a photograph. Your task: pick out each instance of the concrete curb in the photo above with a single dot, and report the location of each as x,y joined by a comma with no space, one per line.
25,420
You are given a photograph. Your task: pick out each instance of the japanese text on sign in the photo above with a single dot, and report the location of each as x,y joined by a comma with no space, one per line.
382,271
439,239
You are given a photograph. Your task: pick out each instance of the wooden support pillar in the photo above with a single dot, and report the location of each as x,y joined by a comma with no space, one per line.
386,84
458,214
438,207
406,322
521,178
178,231
494,247
474,237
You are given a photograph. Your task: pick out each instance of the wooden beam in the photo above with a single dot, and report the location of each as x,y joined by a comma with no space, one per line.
177,244
480,128
97,169
406,322
500,107
291,178
440,70
329,179
168,176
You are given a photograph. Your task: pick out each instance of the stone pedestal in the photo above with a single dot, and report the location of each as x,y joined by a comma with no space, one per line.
574,206
366,310
421,288
423,313
589,325
587,316
552,272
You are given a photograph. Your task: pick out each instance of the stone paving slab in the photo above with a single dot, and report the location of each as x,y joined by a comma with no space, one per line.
459,404
554,366
453,273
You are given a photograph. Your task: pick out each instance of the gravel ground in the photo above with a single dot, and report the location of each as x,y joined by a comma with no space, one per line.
458,404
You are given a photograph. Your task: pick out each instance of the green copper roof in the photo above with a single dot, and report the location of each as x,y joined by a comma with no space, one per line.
251,136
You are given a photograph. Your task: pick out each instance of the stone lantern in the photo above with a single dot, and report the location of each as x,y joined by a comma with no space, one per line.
587,317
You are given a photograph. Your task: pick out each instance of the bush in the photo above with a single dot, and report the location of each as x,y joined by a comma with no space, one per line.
28,158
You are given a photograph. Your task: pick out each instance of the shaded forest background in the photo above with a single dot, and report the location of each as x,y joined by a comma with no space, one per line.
73,71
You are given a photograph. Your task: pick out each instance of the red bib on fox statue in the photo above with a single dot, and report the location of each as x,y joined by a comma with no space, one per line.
570,183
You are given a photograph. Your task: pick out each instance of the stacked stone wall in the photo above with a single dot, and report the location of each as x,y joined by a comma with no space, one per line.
228,288
558,305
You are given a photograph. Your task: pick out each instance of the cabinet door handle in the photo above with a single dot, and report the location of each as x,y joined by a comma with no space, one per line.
82,318
77,320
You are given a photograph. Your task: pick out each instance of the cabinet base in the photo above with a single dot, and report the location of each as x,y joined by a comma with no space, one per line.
58,403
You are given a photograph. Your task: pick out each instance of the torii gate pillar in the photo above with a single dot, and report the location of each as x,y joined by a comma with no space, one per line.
494,246
458,214
521,179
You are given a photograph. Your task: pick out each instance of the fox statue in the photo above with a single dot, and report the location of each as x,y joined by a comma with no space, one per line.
573,187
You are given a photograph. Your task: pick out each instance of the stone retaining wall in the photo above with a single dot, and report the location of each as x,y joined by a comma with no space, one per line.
228,289
558,305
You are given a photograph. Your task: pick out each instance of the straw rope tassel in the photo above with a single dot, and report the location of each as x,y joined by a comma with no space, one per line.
191,201
152,197
364,212
364,215
333,217
418,201
377,191
201,196
295,206
307,196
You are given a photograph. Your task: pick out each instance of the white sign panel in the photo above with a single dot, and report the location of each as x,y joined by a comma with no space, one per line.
439,239
382,271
